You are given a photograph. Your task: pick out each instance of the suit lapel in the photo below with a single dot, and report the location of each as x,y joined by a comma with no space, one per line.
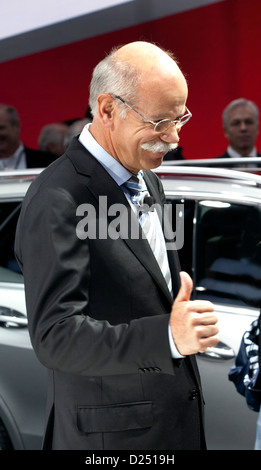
100,183
132,235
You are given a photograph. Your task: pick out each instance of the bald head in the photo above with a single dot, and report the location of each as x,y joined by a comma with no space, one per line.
133,89
129,70
152,65
145,56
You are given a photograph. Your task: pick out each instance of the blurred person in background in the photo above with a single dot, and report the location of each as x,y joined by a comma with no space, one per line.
14,154
241,126
51,138
74,129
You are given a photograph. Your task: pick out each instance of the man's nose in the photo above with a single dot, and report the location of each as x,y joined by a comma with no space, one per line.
243,125
171,135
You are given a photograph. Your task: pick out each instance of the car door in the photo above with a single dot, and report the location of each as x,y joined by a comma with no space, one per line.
22,378
222,253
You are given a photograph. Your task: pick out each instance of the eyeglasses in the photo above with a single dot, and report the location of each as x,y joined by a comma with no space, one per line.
164,124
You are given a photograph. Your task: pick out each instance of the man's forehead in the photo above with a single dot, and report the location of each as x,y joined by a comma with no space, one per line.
241,111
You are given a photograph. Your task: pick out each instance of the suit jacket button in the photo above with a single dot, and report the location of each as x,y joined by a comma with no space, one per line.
194,394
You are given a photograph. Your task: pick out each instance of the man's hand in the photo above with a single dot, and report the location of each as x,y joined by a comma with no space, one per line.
193,323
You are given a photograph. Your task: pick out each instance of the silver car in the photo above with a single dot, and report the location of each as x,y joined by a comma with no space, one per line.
218,213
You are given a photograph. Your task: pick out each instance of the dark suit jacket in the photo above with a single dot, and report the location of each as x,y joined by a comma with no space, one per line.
98,313
37,158
259,351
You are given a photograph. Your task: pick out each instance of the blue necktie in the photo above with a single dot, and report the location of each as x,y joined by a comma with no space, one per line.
136,187
148,220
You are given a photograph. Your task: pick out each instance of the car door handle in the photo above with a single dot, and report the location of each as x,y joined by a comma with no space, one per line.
220,352
10,318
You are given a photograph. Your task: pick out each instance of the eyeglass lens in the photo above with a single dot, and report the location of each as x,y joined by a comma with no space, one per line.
163,126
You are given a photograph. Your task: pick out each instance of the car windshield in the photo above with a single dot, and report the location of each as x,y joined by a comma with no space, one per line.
9,269
222,250
228,252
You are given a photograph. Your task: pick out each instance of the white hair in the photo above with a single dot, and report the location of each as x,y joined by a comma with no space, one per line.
235,104
115,77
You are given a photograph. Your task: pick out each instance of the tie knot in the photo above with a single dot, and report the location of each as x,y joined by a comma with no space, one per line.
136,184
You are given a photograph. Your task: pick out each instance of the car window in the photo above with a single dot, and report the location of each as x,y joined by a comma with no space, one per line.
9,269
228,252
222,250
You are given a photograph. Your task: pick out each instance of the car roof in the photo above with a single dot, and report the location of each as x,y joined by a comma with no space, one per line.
14,183
199,182
243,163
183,180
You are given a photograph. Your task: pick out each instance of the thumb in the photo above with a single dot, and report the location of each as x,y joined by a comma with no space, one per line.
185,288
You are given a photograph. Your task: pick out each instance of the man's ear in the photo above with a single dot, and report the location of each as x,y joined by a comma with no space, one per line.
106,108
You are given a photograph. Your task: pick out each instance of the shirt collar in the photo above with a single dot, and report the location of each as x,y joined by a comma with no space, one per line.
112,166
232,153
16,160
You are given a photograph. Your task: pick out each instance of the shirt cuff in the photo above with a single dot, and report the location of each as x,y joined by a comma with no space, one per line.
174,352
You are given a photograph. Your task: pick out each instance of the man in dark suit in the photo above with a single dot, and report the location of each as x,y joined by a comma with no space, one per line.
120,352
13,153
241,126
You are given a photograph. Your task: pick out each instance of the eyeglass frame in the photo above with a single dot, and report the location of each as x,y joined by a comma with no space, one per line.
155,124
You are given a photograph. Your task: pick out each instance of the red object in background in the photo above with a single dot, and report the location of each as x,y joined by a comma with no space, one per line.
217,47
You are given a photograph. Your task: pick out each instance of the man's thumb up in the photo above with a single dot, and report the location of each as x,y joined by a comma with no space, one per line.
193,322
185,288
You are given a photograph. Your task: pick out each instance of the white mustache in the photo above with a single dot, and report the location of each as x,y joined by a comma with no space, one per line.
157,146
